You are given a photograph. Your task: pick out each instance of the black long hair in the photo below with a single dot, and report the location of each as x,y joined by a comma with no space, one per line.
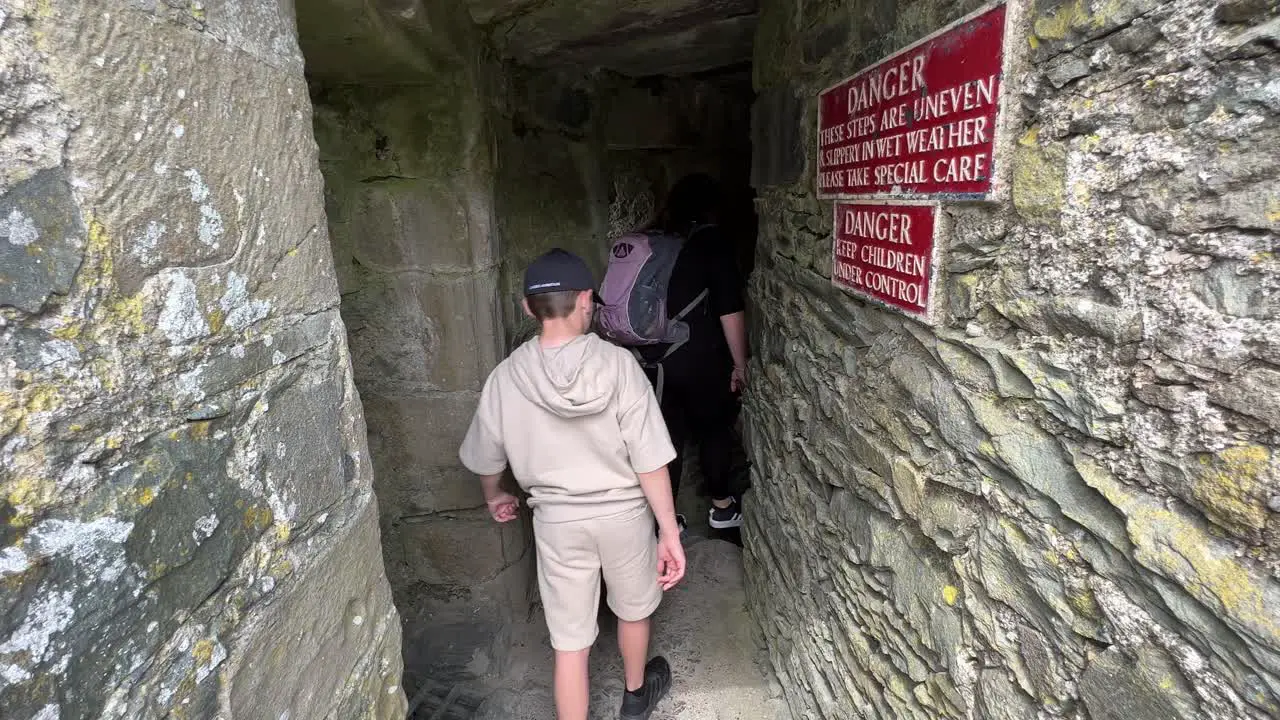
692,200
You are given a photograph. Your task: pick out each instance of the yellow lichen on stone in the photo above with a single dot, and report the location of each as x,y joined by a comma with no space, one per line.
1039,178
1084,603
203,651
1177,546
70,331
27,495
1059,23
1227,486
146,496
283,531
950,593
1081,192
126,313
99,248
217,319
10,412
199,430
257,518
43,398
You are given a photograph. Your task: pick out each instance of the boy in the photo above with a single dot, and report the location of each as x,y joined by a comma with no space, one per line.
581,428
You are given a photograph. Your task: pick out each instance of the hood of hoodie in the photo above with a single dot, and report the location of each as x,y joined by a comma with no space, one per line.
571,380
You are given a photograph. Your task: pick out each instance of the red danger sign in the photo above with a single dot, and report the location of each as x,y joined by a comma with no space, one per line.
922,122
885,253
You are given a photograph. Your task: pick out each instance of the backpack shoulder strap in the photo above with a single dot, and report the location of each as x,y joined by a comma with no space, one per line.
689,308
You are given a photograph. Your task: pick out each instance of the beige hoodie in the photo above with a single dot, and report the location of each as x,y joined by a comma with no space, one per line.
576,423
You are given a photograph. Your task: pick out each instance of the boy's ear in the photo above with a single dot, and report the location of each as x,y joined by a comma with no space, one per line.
524,303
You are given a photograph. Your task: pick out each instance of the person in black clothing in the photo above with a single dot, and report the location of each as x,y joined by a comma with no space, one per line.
703,378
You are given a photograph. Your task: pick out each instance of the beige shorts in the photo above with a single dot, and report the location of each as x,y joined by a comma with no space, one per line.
571,558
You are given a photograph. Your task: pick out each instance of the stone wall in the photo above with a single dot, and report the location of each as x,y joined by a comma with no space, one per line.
409,175
1061,501
187,527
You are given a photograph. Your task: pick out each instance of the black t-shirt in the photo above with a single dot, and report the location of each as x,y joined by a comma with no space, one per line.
706,262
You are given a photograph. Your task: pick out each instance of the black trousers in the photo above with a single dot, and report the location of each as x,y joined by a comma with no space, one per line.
699,406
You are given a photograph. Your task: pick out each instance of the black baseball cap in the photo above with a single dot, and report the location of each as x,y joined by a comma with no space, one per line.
559,271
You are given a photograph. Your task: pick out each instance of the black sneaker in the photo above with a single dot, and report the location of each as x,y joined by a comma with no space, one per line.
639,705
726,518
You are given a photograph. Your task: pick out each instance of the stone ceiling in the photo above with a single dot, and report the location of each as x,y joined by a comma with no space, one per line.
632,37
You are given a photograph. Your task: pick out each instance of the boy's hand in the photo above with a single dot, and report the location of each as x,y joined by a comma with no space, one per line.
503,507
670,559
738,379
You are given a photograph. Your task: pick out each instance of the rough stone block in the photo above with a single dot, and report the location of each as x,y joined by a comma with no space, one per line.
1253,393
458,550
332,634
304,450
1234,288
1178,546
420,333
1144,685
42,240
777,134
826,38
1231,488
414,442
1059,25
145,550
417,224
1000,699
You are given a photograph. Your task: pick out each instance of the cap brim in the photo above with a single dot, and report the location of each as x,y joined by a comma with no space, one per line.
596,297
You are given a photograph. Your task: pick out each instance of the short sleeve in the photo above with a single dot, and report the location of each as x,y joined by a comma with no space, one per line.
640,419
483,452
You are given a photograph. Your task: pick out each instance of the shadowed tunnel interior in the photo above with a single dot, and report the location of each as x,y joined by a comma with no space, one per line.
457,143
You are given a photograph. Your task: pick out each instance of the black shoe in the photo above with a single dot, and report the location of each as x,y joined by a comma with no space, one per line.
726,518
639,705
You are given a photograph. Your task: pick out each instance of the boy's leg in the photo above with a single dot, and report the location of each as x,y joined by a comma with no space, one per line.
633,643
569,581
573,685
629,562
